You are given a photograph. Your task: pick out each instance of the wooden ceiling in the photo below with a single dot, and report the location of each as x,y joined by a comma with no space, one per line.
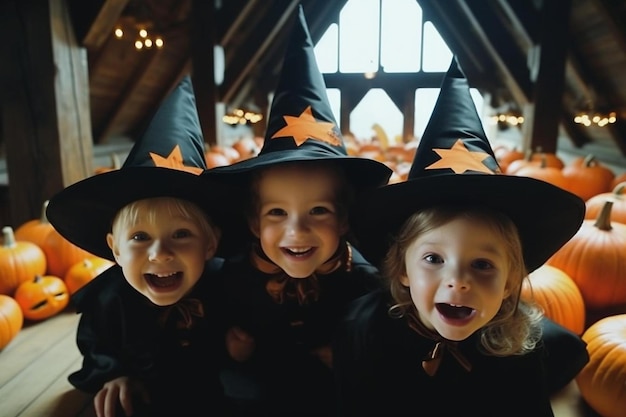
498,42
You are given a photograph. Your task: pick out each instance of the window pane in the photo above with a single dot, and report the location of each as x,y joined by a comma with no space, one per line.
437,55
327,50
334,98
358,36
425,99
401,35
376,108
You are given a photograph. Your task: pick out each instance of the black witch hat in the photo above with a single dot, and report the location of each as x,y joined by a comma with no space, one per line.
166,161
455,164
301,126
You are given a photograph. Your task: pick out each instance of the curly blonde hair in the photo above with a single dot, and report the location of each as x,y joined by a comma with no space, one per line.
516,328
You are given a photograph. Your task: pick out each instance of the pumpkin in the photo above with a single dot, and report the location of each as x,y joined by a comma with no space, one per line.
215,159
505,156
19,261
61,254
84,271
11,319
543,172
595,258
618,178
601,382
618,212
115,165
42,297
558,296
587,177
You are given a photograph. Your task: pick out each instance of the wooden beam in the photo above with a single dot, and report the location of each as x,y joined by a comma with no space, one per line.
547,109
45,108
203,39
104,23
259,46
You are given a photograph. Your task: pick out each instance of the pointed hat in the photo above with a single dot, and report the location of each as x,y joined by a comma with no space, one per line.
166,161
301,124
455,164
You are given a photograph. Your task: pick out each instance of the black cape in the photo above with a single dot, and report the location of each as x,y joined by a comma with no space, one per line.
283,377
379,372
120,332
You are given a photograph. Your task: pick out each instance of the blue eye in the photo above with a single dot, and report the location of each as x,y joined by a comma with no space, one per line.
140,237
320,210
276,212
482,264
433,258
182,233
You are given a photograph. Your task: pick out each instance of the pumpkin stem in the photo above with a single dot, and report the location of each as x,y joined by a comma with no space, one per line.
9,237
115,161
43,218
590,160
603,222
619,189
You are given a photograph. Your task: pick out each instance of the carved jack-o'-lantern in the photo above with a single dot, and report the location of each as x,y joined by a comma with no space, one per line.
42,297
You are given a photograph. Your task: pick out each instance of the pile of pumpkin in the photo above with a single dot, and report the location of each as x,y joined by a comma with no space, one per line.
39,270
583,285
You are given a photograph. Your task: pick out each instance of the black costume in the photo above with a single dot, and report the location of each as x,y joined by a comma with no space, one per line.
283,377
378,364
175,350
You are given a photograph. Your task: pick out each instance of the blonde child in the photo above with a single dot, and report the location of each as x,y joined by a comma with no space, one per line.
149,331
450,334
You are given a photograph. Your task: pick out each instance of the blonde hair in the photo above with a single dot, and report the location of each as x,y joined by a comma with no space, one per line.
129,215
516,327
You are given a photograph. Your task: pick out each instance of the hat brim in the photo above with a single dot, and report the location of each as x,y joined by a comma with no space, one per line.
362,172
83,212
546,216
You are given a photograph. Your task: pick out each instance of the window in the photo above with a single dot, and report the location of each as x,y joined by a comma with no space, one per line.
389,36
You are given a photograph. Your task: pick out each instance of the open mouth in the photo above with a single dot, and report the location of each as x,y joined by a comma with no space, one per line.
299,252
164,281
455,312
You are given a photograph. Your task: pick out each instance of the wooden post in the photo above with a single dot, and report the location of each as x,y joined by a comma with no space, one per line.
46,123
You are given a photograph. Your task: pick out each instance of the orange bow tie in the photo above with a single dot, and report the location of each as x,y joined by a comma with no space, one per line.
433,360
187,309
305,290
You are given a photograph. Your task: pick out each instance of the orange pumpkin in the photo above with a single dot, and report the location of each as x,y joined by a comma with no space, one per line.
19,261
543,172
505,156
115,165
558,296
618,179
61,254
601,382
83,272
11,319
215,159
618,212
42,297
587,177
595,258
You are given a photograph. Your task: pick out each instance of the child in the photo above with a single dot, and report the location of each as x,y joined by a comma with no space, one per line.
451,336
286,294
149,334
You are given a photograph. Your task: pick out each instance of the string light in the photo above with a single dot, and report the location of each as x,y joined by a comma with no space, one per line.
507,118
144,39
242,117
598,119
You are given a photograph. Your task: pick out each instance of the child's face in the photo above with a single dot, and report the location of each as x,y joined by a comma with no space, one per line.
457,274
298,223
161,259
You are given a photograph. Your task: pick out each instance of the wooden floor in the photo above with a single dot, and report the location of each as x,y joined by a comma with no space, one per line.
34,368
